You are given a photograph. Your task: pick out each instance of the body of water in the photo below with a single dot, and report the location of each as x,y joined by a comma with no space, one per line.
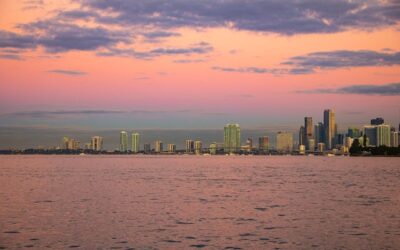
199,202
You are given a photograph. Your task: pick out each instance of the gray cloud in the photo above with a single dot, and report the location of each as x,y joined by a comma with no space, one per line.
184,61
390,89
49,114
283,17
156,36
245,70
343,59
198,48
67,72
10,56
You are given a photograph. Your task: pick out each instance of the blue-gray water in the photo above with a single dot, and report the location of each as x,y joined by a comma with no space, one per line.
184,202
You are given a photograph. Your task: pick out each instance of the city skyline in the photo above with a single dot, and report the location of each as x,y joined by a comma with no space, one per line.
67,64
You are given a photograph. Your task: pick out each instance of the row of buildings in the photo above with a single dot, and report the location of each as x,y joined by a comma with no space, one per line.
321,137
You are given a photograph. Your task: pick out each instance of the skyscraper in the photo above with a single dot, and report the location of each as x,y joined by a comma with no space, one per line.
171,148
96,143
263,143
319,132
383,135
370,133
329,127
308,131
231,138
135,142
158,146
302,137
198,147
394,139
147,148
123,141
189,146
284,142
353,132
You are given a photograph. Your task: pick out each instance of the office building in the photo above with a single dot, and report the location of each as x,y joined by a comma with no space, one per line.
158,148
231,138
70,144
189,146
383,135
263,143
147,148
249,143
319,132
213,148
308,131
348,142
284,142
353,132
135,143
311,144
377,121
302,136
321,147
171,148
394,139
96,143
330,128
123,141
198,147
370,133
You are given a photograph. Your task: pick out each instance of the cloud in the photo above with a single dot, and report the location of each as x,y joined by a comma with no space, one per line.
17,41
10,56
156,36
255,70
198,48
343,59
390,89
184,61
285,17
67,72
49,114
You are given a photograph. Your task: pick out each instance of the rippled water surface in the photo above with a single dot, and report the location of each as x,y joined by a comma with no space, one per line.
188,202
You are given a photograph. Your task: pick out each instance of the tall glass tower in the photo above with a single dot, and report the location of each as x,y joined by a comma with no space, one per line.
330,128
231,138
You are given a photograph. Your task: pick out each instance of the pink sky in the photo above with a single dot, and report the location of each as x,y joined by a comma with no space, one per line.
232,66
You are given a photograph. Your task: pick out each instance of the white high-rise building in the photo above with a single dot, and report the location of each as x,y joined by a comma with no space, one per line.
394,139
383,135
198,147
135,143
158,146
96,143
123,141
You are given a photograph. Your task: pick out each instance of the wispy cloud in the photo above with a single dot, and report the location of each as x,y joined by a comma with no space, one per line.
67,72
390,89
283,17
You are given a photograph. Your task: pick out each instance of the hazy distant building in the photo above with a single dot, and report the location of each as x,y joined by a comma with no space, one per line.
302,135
383,135
284,142
171,148
302,149
263,143
123,141
330,128
135,142
249,143
339,140
70,144
321,147
348,141
311,144
231,138
213,148
198,147
353,132
158,148
371,133
394,139
319,132
147,148
96,143
189,146
308,130
377,121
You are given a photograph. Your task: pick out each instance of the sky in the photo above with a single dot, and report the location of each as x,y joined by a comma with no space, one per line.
196,64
